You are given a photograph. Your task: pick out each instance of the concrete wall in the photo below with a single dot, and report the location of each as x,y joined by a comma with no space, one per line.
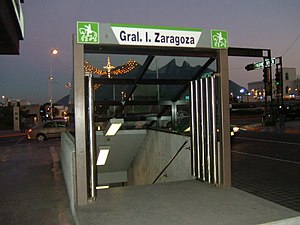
155,152
123,148
67,159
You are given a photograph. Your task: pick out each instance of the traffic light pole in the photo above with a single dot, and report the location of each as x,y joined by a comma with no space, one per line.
269,117
279,81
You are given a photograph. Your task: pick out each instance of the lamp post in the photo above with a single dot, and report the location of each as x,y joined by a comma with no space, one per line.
50,81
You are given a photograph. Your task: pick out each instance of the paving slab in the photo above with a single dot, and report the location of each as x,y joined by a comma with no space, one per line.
185,202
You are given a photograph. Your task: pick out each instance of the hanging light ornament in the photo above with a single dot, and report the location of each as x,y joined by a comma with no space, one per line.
111,70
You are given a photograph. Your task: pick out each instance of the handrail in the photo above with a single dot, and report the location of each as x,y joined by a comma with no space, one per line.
170,162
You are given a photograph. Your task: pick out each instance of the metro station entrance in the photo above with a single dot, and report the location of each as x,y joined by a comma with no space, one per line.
171,80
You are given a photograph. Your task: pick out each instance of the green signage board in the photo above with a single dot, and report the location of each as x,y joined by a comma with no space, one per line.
88,32
152,36
219,39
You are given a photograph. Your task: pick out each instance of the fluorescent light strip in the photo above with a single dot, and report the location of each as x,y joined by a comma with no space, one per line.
102,187
113,129
103,153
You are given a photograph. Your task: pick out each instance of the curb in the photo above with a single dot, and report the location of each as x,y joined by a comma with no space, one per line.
13,135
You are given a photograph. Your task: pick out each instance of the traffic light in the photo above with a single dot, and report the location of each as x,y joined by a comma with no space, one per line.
266,75
250,67
42,110
278,78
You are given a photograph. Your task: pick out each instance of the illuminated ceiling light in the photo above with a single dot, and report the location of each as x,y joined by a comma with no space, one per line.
113,126
102,187
187,129
102,156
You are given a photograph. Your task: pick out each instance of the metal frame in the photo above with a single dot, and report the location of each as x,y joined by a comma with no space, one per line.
81,128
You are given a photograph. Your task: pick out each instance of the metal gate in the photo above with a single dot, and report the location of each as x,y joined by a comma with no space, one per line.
205,145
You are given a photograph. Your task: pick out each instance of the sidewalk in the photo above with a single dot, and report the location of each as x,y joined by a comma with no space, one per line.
178,203
32,190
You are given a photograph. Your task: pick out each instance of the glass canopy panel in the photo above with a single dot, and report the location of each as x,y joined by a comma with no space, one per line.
111,92
174,67
114,66
157,92
130,88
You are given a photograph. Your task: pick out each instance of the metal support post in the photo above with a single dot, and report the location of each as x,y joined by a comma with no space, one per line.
91,134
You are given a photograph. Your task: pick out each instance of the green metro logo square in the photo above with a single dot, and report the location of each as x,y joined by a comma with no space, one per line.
88,32
219,39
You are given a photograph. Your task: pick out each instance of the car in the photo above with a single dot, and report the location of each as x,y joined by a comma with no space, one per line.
183,125
234,131
292,112
48,129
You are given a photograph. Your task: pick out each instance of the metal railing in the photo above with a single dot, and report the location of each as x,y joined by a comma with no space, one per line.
171,160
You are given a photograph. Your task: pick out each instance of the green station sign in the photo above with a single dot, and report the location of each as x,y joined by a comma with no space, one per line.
155,36
88,32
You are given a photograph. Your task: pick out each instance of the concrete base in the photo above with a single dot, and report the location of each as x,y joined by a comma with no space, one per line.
185,202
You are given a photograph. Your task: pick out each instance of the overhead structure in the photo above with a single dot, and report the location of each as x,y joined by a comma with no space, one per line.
152,72
11,27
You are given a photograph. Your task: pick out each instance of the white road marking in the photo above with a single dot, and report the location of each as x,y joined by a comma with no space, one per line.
266,157
278,142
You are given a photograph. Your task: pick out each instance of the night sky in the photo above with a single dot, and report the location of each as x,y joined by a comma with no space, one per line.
269,24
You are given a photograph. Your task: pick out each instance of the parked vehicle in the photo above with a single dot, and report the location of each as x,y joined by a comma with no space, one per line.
292,112
183,125
49,129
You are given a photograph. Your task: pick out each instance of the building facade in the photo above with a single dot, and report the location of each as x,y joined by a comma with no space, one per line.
291,86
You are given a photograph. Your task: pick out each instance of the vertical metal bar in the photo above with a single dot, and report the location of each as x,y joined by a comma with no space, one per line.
214,130
193,130
91,135
203,124
173,115
198,126
208,128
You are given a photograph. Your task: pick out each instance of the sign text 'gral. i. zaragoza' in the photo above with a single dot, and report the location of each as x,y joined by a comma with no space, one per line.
156,36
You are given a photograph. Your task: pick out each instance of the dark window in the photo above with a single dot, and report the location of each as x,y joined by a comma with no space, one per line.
286,76
51,124
61,124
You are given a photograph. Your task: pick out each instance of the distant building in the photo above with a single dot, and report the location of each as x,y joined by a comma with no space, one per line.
291,86
16,102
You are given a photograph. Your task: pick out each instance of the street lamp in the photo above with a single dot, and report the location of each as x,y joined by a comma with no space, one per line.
50,81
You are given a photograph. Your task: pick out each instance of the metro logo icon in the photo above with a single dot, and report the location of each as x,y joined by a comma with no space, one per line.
156,36
219,39
87,32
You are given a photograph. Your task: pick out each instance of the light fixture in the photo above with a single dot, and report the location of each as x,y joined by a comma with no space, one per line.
102,156
50,81
54,51
113,126
102,187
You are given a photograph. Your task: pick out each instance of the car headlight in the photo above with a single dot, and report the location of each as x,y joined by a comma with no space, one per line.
235,129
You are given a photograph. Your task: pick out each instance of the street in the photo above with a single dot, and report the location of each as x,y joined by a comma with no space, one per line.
267,164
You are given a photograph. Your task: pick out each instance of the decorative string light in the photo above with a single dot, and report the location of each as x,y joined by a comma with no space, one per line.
108,67
111,70
96,86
